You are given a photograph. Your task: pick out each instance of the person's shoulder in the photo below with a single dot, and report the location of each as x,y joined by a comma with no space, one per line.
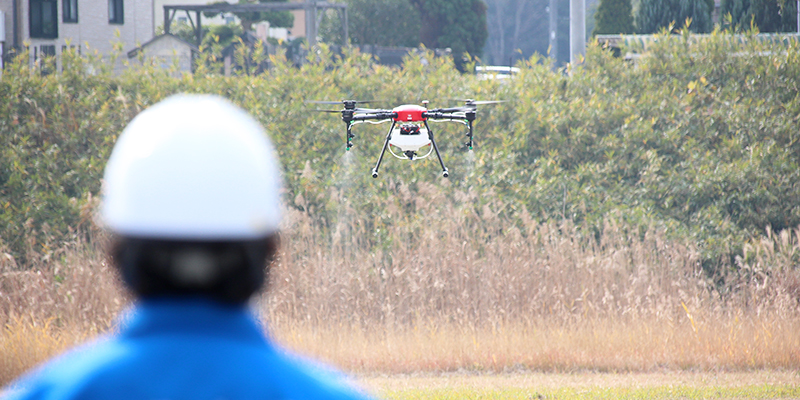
308,378
64,376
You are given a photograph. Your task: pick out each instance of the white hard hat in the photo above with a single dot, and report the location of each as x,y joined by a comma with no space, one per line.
192,167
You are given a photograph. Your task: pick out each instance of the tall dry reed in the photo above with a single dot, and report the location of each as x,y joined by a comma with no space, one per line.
449,262
452,286
55,303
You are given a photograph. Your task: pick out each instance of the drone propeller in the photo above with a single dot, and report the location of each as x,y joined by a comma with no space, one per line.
473,102
345,102
327,111
478,102
470,105
322,102
355,110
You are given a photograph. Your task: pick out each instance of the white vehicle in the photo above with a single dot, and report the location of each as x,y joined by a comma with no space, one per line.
495,72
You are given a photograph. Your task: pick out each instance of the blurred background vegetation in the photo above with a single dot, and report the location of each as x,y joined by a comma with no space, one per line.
616,215
698,138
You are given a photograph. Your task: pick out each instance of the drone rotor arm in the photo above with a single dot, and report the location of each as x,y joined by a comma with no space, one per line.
443,115
377,115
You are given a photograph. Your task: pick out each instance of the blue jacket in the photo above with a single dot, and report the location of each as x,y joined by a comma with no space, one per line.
183,349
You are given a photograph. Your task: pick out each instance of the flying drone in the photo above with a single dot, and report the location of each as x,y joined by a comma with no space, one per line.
410,137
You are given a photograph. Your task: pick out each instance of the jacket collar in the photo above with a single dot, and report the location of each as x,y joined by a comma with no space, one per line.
192,316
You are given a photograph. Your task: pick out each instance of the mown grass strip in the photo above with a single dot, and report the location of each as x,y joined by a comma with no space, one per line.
766,391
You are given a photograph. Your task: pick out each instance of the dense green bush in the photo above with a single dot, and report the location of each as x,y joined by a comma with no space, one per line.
613,16
655,15
373,22
698,138
766,15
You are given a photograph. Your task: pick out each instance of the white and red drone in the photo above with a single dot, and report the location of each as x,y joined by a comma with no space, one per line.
410,137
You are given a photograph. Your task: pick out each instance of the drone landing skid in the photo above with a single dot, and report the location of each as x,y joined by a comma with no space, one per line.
409,148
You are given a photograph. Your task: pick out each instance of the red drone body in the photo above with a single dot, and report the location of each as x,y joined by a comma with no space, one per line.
409,113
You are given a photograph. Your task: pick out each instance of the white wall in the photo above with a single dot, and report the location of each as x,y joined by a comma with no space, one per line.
93,31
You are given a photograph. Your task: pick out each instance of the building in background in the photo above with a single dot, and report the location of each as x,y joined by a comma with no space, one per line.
2,39
168,51
48,27
262,29
158,12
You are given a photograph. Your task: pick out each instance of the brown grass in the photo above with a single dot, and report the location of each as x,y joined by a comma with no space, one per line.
593,345
455,288
55,304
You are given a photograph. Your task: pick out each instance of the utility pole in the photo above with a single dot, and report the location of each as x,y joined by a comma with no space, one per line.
311,22
577,30
553,29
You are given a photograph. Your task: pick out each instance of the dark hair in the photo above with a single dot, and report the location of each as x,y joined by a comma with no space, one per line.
228,271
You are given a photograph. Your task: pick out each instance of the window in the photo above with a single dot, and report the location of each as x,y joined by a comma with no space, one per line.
45,58
116,12
43,15
71,48
69,11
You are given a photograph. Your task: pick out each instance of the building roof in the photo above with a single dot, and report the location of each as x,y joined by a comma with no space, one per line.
165,36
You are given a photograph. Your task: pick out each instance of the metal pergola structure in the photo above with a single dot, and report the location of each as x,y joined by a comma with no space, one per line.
310,7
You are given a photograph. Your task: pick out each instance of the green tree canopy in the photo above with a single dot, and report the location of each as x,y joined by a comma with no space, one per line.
613,16
278,19
221,34
457,24
374,22
767,15
654,15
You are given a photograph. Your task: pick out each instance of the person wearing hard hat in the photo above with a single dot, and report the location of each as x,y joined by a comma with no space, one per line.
191,195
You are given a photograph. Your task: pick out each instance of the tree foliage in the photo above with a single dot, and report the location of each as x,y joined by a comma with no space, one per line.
182,30
766,15
221,35
374,22
276,19
613,16
456,24
519,29
516,30
654,15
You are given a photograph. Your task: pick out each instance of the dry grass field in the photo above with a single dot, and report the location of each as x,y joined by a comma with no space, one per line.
470,295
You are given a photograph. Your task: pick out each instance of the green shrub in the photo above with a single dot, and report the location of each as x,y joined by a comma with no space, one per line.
765,15
613,16
655,15
698,139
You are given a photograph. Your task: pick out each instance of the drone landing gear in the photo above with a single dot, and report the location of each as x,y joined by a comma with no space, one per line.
445,172
383,151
